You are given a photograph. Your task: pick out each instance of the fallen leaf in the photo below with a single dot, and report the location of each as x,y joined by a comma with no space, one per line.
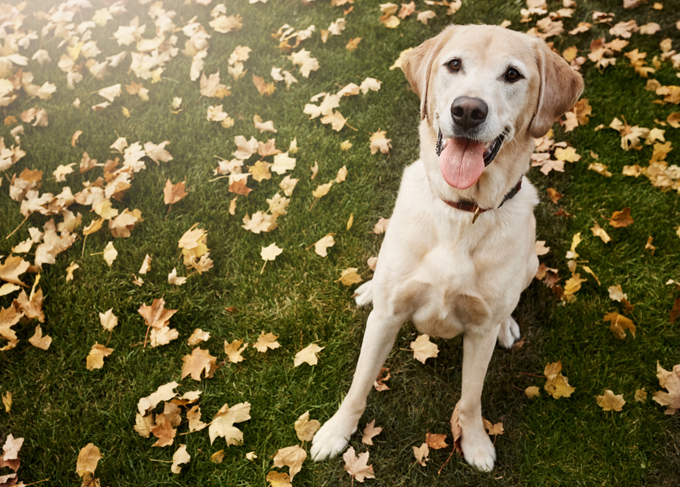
532,391
110,253
266,342
423,348
308,355
163,393
222,425
370,431
436,441
610,402
108,320
640,395
619,324
164,432
493,429
349,276
172,193
671,382
357,467
421,453
95,359
269,253
321,247
198,362
557,385
234,350
616,293
621,219
599,232
40,341
180,456
156,316
305,428
379,382
381,226
291,457
88,458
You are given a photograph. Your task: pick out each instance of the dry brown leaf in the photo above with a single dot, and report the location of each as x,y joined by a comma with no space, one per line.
265,89
369,432
619,325
156,316
305,428
357,466
621,219
40,341
179,457
88,457
423,348
172,193
222,424
164,432
383,376
291,457
198,362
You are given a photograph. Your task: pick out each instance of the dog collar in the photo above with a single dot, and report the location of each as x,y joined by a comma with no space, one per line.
473,207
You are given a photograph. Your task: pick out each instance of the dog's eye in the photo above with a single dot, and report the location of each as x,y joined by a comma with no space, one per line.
455,65
512,75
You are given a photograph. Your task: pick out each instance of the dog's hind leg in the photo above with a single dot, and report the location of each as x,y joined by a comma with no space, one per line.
332,438
509,333
364,294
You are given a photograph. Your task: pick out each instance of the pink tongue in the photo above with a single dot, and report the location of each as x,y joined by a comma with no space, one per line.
462,162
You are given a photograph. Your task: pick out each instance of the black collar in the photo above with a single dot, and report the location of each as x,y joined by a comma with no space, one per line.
473,207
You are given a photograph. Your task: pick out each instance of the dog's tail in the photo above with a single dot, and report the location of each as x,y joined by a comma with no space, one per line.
364,294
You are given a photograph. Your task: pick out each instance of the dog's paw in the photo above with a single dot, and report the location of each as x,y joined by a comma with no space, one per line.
364,294
332,438
509,333
479,451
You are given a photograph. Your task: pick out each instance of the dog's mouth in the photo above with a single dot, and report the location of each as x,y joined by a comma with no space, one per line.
462,161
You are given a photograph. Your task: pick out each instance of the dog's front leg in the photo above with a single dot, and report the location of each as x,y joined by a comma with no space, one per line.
478,346
332,438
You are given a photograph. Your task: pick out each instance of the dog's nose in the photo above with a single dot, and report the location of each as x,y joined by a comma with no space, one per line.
469,112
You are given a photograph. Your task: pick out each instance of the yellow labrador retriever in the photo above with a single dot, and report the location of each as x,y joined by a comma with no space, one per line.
460,246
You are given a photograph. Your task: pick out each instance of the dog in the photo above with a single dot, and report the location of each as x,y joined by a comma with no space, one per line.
460,245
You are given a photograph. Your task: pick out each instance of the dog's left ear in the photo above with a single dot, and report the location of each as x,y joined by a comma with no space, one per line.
560,89
417,67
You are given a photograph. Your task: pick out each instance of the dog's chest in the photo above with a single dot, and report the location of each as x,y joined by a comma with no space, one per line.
447,294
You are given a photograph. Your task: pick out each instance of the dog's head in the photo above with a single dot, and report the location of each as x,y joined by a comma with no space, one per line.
485,92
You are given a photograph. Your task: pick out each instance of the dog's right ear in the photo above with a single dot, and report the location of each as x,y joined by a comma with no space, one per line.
417,67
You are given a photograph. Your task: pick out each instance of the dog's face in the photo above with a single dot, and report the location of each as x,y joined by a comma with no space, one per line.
485,92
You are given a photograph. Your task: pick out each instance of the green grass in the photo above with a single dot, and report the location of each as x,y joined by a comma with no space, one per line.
59,406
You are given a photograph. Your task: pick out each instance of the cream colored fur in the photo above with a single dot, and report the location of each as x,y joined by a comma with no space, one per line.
436,268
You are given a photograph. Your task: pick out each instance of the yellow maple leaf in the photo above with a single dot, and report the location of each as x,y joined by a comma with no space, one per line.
611,402
349,276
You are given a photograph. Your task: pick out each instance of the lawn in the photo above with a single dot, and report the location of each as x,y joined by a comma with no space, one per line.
59,406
